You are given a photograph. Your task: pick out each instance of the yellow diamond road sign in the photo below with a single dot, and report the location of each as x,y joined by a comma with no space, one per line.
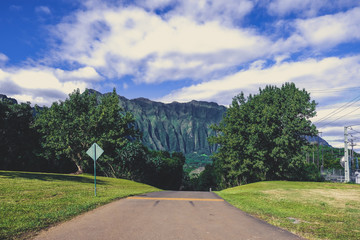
95,151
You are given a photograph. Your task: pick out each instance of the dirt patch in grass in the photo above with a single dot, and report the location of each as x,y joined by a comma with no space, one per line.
338,198
311,210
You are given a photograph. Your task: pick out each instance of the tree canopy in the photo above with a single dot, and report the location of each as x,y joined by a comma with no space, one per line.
261,137
69,128
18,140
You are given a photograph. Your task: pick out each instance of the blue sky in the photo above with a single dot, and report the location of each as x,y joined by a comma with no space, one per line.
170,50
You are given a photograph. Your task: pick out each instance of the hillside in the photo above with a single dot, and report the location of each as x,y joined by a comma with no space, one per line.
174,127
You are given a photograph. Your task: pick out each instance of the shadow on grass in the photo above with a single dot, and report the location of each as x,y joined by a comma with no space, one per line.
51,177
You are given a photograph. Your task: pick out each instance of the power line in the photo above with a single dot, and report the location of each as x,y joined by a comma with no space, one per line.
338,118
340,109
354,130
332,89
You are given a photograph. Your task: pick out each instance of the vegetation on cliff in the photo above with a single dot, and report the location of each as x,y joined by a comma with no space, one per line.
175,127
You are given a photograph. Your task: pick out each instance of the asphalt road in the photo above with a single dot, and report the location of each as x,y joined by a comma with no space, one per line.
166,216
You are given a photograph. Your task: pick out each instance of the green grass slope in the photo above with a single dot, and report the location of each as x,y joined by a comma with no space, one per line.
309,209
32,201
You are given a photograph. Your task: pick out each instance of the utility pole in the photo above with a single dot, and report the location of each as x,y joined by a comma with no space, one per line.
352,144
347,175
313,154
318,146
322,156
307,157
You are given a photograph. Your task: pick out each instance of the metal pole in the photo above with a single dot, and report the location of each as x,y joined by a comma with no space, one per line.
347,175
318,146
95,169
313,156
351,162
322,155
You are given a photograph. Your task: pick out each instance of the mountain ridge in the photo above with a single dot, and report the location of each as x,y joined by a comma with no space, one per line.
180,127
175,127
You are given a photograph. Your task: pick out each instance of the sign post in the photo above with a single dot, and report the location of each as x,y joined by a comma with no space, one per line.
95,152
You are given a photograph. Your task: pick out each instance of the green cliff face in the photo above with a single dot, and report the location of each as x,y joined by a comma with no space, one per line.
181,127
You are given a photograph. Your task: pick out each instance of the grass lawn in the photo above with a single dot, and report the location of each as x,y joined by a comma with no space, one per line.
309,209
32,201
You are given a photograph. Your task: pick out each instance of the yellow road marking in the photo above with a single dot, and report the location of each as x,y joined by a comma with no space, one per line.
179,199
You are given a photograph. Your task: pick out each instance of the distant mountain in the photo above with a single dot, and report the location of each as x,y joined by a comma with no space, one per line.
181,127
317,140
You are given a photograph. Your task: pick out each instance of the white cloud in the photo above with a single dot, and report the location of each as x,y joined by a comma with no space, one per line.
330,30
337,113
3,58
125,86
132,41
319,33
203,41
284,7
42,85
15,8
225,12
332,119
307,8
327,80
327,73
186,43
43,9
155,4
81,74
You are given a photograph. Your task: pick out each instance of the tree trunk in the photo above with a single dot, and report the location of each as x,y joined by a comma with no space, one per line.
79,171
79,168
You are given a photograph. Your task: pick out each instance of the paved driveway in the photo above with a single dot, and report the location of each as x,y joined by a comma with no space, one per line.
165,216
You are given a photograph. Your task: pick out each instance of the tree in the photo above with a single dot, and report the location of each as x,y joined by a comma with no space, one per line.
69,128
18,141
131,162
261,137
167,169
207,178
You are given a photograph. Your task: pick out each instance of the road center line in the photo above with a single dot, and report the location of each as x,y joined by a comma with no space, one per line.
179,199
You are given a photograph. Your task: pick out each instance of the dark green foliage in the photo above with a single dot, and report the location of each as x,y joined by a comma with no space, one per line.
207,178
132,161
18,141
196,160
330,156
202,181
261,137
167,169
69,128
